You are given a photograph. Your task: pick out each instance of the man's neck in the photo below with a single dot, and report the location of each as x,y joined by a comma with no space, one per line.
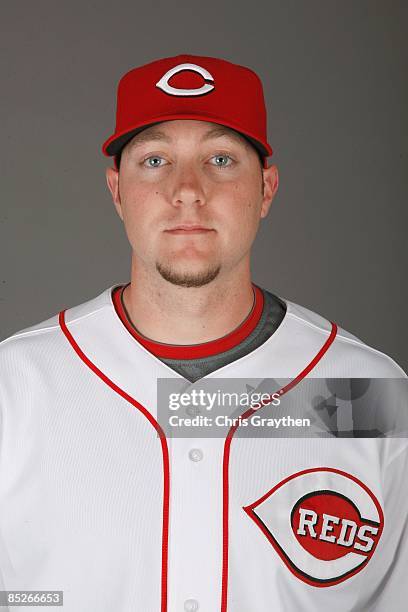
172,314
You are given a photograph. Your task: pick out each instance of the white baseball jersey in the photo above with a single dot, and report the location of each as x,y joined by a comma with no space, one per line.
97,502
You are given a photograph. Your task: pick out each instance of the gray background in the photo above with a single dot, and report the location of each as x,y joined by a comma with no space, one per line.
335,78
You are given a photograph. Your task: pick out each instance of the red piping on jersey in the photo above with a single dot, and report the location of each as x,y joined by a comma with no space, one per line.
165,452
194,351
225,467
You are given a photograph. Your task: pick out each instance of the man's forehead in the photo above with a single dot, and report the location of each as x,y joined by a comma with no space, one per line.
209,131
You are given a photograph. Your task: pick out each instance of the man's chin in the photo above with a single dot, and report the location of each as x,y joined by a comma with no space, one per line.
187,278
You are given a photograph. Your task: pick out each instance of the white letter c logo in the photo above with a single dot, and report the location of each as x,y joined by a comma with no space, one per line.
163,83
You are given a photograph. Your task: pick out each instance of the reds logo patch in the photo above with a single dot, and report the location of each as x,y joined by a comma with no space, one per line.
325,524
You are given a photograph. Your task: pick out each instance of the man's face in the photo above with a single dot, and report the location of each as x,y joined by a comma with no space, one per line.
191,173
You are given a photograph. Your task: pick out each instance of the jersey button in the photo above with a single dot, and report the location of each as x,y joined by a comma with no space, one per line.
191,605
195,454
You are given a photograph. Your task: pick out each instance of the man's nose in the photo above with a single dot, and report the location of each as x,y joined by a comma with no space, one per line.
187,187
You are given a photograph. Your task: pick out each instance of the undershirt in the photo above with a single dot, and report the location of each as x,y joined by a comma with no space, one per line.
193,361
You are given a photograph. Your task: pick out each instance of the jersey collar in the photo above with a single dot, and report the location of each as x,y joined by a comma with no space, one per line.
192,351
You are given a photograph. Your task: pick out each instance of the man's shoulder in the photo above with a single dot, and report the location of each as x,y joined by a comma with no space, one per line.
46,334
348,353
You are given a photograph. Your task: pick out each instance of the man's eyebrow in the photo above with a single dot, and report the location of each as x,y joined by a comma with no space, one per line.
146,136
217,132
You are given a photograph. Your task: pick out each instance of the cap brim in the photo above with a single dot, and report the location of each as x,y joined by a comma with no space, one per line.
116,142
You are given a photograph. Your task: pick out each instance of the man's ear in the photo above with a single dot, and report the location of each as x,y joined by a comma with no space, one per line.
271,184
112,179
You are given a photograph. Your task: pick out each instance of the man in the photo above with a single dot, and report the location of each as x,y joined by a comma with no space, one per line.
99,498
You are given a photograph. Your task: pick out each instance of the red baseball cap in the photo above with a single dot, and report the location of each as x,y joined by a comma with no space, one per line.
190,87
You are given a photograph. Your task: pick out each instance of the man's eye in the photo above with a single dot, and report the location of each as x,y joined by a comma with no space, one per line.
221,160
154,161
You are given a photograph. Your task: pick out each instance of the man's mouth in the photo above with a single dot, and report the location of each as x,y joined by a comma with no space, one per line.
188,229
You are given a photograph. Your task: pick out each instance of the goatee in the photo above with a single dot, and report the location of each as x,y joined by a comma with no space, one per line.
187,279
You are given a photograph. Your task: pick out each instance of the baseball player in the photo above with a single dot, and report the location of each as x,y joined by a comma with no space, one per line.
100,500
